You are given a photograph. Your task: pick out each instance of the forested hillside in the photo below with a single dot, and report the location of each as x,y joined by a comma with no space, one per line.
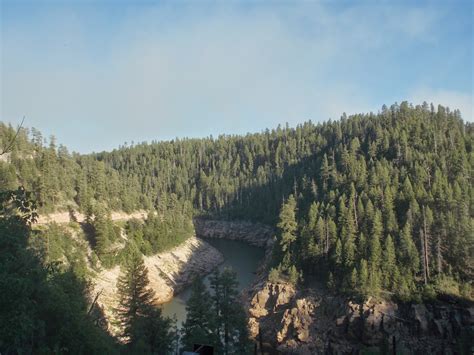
369,202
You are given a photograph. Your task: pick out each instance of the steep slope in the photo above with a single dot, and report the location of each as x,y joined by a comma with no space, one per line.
372,205
169,273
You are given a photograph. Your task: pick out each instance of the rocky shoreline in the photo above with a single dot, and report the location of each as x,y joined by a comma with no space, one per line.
168,272
256,234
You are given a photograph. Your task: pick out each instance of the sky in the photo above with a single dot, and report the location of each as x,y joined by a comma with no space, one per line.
97,74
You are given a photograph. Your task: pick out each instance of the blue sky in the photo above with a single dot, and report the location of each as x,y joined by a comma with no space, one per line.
100,73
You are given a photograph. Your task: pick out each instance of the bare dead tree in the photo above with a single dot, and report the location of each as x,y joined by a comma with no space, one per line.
9,146
91,308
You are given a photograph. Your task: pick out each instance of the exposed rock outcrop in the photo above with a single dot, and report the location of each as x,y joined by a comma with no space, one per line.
253,233
296,321
270,298
311,321
74,216
168,272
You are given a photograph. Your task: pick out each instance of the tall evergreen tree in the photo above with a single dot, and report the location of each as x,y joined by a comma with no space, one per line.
375,253
200,324
144,328
287,227
231,319
389,264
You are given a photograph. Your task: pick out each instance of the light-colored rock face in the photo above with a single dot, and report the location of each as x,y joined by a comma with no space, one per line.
74,216
296,321
253,233
282,317
270,298
168,273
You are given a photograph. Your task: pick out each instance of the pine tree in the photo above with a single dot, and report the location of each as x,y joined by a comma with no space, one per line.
388,212
425,236
104,234
231,326
287,227
321,234
143,325
409,258
363,274
337,257
389,265
199,327
375,253
354,279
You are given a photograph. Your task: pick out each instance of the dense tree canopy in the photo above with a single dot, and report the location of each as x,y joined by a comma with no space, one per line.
42,310
216,319
370,203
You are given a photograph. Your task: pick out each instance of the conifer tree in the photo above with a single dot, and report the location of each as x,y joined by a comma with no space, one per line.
200,324
231,327
363,274
144,328
409,258
388,212
375,253
287,227
389,265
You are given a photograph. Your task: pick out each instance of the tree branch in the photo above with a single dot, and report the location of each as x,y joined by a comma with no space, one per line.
10,145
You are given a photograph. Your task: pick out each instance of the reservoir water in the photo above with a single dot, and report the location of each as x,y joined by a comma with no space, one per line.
243,258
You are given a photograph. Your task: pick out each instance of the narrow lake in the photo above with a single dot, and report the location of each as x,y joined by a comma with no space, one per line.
243,258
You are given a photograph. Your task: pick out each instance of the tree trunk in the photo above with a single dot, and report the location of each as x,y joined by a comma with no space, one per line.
327,238
355,212
423,256
439,257
426,237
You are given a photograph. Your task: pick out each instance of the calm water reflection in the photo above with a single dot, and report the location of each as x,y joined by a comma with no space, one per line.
243,258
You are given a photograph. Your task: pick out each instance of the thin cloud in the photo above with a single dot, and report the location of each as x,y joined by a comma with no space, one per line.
169,71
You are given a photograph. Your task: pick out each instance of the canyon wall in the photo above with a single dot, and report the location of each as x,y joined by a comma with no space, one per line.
312,321
256,234
169,273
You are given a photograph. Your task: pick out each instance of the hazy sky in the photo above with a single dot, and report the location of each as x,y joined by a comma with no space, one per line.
100,73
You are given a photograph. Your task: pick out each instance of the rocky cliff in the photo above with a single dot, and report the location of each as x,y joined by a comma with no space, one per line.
168,272
313,322
253,233
292,320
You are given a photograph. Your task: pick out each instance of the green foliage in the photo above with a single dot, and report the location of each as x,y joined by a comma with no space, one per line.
43,309
404,172
287,227
144,328
58,244
229,314
293,275
428,293
200,324
274,275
